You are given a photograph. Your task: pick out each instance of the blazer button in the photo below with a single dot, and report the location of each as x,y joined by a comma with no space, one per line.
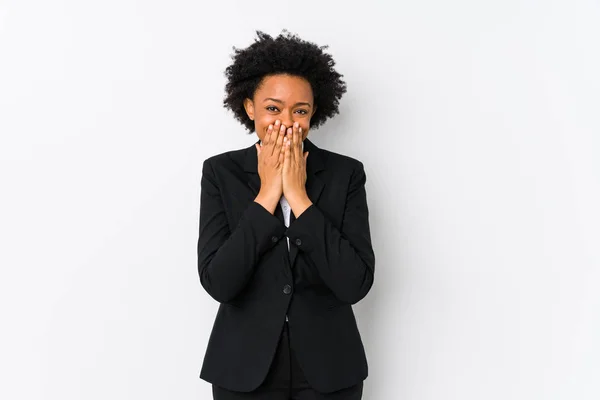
298,242
287,289
274,239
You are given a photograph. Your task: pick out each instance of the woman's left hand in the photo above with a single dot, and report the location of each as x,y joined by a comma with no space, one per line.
294,170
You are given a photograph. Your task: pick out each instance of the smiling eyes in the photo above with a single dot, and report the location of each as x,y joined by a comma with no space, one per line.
275,109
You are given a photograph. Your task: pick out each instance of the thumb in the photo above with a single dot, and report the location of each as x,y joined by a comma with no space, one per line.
257,148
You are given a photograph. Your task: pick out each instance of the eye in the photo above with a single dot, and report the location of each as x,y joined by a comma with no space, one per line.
303,112
272,108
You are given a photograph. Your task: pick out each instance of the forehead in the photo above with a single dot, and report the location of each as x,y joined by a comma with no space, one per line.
285,88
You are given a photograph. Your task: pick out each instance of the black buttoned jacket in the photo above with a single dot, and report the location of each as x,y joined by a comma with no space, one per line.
245,265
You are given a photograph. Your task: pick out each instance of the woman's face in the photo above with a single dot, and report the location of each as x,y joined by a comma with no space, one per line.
281,97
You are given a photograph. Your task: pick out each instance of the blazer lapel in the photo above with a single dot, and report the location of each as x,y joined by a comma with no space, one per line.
315,163
251,168
314,185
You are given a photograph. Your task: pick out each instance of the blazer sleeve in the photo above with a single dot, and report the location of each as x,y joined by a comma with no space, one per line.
344,258
226,258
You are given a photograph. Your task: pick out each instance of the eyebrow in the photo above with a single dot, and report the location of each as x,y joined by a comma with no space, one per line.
281,102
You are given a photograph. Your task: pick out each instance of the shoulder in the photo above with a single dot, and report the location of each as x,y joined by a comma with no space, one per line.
232,158
342,170
341,161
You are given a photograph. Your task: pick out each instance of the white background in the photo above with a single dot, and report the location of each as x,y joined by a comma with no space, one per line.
479,129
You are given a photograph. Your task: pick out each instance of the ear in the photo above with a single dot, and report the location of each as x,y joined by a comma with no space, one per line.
249,107
313,111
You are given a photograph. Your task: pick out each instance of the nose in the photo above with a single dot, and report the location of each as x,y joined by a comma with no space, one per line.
287,119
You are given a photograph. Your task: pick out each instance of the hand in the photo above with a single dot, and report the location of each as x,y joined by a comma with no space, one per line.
270,166
294,171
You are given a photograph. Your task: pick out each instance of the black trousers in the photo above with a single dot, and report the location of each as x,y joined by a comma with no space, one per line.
285,381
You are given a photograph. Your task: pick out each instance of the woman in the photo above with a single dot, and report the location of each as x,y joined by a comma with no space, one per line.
285,328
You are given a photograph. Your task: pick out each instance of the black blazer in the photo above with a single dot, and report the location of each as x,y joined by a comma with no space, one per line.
244,264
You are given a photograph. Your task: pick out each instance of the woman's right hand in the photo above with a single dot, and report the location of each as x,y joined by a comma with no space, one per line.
270,166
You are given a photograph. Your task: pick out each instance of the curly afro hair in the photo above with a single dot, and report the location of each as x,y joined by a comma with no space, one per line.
285,54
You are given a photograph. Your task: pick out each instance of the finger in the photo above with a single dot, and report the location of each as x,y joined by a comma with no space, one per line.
267,137
279,142
286,136
257,148
296,126
305,162
296,134
281,130
284,145
282,156
278,138
297,150
290,136
288,153
300,144
273,135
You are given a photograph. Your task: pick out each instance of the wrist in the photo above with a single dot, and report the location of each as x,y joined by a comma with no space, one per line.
299,204
268,199
297,196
